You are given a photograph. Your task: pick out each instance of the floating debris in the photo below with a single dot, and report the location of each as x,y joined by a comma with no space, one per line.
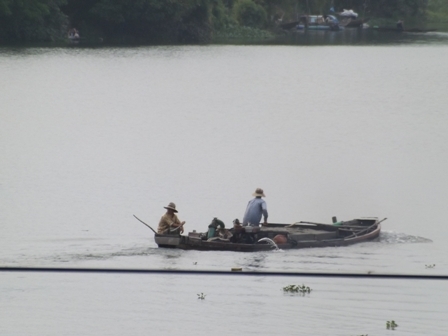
391,325
390,237
297,289
201,296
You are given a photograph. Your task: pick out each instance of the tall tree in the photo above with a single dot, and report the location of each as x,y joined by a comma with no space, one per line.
146,20
32,20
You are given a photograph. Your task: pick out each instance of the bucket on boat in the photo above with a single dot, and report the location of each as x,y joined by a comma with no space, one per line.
280,239
335,221
213,226
211,232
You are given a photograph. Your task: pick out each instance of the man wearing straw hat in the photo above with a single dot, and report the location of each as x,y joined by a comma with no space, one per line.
256,209
169,223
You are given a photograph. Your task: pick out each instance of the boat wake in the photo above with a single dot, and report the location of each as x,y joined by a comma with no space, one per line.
390,237
99,255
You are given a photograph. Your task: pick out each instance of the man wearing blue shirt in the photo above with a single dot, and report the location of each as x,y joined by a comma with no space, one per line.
256,209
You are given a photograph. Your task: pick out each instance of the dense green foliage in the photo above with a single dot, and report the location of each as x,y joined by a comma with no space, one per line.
438,10
31,20
143,20
183,21
250,14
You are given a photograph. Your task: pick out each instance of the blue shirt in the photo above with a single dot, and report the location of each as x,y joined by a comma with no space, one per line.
255,209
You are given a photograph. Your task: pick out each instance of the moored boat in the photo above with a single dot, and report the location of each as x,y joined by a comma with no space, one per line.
319,22
73,35
288,236
349,19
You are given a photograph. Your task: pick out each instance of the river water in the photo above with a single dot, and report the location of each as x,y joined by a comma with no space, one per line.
91,136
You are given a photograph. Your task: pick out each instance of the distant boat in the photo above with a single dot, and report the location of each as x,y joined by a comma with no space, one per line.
319,22
73,36
349,19
348,13
74,39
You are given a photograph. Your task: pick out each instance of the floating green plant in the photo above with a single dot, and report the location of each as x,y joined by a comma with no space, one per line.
201,296
430,266
297,289
391,325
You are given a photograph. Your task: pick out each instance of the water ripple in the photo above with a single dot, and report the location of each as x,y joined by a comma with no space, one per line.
390,237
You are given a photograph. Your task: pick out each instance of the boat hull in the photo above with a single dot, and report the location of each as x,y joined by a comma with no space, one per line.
319,22
169,241
319,27
299,236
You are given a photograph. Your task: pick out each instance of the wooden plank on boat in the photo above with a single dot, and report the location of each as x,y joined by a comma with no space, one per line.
352,231
318,226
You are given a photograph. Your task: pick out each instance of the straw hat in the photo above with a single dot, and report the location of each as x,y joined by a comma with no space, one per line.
171,206
259,192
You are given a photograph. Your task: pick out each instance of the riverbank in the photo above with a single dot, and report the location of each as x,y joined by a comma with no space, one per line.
188,22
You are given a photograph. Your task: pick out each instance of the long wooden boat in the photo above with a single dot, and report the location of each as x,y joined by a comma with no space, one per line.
297,235
315,22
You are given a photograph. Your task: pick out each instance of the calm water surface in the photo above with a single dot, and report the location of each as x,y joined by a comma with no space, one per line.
89,137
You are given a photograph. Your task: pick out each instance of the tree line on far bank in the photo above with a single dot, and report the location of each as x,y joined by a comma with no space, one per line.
178,21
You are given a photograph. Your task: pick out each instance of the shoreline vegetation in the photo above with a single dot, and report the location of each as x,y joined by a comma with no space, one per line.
189,21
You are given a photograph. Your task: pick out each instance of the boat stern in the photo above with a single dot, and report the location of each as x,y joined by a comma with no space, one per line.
169,241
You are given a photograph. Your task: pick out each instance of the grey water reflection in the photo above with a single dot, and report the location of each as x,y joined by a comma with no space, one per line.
256,261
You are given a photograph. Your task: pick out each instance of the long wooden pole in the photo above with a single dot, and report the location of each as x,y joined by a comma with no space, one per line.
144,223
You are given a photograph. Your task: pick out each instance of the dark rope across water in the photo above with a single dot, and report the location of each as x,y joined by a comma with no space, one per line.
369,275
